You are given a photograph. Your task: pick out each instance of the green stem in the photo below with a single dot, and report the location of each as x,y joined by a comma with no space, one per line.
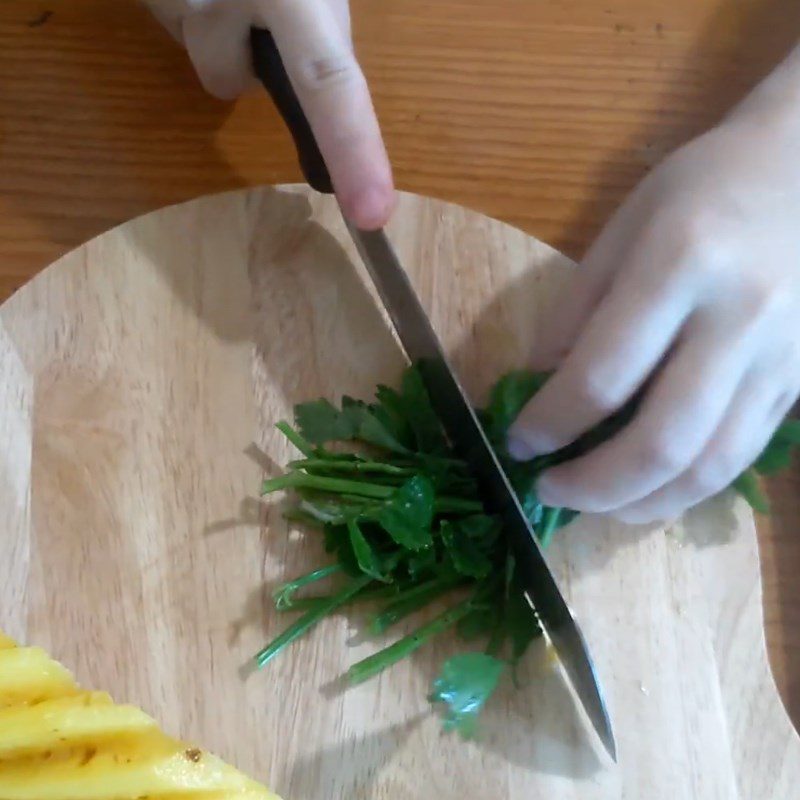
410,601
457,505
304,446
301,515
283,594
310,619
308,603
747,484
549,524
321,512
302,480
423,458
349,466
357,490
789,431
355,500
441,505
375,664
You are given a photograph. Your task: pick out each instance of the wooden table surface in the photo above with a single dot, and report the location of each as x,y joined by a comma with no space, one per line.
543,113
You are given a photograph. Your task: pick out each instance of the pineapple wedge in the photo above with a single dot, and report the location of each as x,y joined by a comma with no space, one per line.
59,742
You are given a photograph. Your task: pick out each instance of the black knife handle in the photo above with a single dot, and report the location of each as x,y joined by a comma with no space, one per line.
269,68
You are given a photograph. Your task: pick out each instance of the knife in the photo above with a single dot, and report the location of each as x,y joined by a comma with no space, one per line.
422,346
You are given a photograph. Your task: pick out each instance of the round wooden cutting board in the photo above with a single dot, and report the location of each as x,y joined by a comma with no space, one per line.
140,379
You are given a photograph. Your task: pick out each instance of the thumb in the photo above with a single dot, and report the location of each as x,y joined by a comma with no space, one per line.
583,291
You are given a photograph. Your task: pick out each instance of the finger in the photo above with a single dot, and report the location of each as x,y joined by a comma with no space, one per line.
741,437
623,342
217,39
333,92
678,417
169,14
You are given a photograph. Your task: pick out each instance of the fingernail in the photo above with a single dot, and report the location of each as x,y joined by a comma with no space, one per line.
372,208
525,445
548,491
518,449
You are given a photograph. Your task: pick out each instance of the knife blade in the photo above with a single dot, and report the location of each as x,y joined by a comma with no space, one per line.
468,438
449,400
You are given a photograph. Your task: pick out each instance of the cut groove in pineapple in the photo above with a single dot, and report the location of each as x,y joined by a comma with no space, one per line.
86,717
58,742
29,676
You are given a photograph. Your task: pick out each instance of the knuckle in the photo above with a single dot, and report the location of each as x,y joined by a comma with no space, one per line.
696,239
595,390
701,242
705,478
715,469
662,454
325,72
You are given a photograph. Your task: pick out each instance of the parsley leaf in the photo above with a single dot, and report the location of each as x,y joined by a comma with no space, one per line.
470,543
508,397
427,428
464,685
390,410
319,421
368,561
407,515
748,487
777,455
364,425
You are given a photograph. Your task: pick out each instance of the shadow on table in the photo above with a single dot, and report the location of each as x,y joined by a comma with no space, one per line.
532,728
349,768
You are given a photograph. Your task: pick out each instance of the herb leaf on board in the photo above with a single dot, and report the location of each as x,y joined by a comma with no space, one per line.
407,515
464,685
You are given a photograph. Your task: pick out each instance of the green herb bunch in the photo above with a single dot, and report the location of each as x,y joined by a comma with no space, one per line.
405,527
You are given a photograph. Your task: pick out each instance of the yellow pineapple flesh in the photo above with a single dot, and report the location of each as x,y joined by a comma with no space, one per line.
59,742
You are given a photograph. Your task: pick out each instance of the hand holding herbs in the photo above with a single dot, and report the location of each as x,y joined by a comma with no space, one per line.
692,288
404,525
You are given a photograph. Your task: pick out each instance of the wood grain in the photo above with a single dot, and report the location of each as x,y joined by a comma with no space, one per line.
134,382
543,113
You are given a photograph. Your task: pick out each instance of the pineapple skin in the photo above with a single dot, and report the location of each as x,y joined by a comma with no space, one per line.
60,742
